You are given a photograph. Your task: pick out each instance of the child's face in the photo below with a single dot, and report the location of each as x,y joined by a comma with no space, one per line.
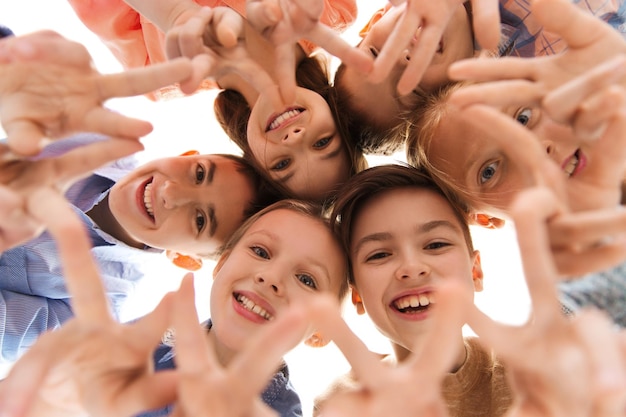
283,259
482,167
189,204
404,243
300,146
381,102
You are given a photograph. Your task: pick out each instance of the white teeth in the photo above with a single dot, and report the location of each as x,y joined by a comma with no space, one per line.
285,116
571,165
147,199
414,301
249,305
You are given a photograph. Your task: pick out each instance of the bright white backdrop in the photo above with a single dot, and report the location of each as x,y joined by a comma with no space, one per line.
188,123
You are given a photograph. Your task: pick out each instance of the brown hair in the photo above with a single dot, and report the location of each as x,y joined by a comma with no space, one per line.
232,112
357,192
308,209
367,136
265,193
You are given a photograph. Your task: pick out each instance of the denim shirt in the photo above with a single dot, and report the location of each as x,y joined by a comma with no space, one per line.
279,394
33,296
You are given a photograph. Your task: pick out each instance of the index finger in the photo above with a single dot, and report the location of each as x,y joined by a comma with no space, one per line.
79,269
530,212
328,39
486,23
421,55
143,80
192,352
395,44
264,352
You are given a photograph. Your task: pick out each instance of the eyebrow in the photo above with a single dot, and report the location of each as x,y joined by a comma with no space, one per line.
211,208
423,228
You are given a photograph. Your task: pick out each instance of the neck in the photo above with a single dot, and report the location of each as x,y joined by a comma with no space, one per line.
106,221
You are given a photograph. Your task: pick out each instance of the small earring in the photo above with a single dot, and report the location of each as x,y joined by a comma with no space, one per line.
316,340
183,261
488,221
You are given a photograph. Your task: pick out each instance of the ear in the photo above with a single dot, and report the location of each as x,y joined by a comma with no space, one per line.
477,272
190,153
190,263
316,340
356,300
487,221
220,262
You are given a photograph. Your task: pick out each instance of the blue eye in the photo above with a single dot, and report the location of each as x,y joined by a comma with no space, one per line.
523,116
200,173
200,221
260,252
487,173
307,280
322,143
281,165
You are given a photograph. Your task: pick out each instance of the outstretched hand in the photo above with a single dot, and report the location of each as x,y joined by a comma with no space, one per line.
590,42
92,364
391,390
205,386
220,41
556,365
419,31
285,22
49,89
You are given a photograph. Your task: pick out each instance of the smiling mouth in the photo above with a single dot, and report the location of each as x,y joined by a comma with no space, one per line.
147,199
572,163
413,303
276,121
249,305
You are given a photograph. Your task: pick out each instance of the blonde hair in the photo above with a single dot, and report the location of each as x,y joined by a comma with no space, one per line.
425,122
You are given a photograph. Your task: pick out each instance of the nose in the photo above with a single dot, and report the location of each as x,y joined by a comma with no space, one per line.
175,195
412,267
549,147
294,134
270,281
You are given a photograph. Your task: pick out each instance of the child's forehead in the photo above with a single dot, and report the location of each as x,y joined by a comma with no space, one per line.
406,205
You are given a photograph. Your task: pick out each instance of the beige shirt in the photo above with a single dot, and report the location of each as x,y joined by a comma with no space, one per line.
477,388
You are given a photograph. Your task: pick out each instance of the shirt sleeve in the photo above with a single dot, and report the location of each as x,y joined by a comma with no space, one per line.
23,318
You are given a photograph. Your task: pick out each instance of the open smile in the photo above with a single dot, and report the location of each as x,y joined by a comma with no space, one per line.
276,121
145,199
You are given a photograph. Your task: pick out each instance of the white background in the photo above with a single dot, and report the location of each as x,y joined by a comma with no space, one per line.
188,123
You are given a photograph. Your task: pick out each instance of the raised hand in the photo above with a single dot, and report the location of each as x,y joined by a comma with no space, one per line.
410,388
49,89
556,365
22,178
228,46
590,42
589,212
207,388
419,31
285,22
92,365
